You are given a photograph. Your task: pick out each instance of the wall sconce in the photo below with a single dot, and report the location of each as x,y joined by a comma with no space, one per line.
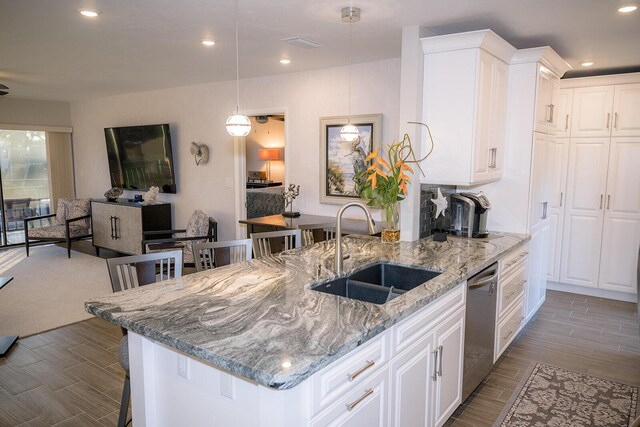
269,154
200,153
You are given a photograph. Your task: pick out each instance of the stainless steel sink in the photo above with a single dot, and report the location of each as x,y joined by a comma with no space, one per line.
377,284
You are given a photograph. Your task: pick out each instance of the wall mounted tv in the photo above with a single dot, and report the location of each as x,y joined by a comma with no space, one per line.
140,157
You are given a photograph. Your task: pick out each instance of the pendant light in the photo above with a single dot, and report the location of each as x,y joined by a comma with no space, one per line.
238,124
350,132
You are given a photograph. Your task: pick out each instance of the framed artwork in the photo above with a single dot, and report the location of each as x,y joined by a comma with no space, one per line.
341,160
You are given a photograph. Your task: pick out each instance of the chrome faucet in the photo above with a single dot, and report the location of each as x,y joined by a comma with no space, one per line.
372,230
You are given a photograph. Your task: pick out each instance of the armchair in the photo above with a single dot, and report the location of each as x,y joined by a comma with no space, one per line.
72,221
200,228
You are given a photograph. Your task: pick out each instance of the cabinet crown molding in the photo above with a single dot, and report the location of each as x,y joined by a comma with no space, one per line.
604,80
545,55
486,40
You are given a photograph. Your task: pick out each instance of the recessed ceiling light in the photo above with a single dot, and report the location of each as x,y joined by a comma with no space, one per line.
628,8
587,63
285,61
208,42
89,13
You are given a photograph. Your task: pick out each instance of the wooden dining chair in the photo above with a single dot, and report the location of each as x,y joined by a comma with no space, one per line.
129,272
216,254
290,239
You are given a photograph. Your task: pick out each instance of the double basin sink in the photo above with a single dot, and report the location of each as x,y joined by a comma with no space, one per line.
378,283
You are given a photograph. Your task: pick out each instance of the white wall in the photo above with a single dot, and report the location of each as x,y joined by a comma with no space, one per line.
198,113
15,111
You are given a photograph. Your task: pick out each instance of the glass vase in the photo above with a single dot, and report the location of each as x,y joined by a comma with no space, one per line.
391,232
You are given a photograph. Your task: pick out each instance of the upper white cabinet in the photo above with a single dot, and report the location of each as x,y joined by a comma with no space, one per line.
608,110
465,105
547,120
562,113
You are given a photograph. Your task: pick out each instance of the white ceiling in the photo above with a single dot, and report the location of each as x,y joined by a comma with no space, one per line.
48,51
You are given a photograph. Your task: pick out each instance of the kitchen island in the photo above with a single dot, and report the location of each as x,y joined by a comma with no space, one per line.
244,341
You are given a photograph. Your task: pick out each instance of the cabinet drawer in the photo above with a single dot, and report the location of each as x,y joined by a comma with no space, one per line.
410,330
512,262
510,289
347,373
508,328
365,405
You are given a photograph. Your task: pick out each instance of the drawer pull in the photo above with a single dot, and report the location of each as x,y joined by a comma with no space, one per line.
357,373
508,335
511,294
350,406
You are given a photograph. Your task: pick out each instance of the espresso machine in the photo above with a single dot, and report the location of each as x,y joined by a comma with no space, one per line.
469,213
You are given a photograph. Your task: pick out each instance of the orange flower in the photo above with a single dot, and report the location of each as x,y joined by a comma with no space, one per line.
371,155
374,180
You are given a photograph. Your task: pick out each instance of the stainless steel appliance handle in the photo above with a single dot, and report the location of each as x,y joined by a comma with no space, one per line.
480,283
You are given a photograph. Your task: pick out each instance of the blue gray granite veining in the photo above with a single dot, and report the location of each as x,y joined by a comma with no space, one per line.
252,317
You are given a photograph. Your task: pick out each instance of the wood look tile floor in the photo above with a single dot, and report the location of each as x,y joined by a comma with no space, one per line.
594,336
70,376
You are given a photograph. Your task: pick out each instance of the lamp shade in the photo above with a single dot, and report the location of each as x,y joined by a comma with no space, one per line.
349,133
238,125
269,154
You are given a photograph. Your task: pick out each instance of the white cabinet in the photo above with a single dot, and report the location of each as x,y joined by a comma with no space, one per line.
562,112
546,120
591,111
464,103
558,158
621,228
626,110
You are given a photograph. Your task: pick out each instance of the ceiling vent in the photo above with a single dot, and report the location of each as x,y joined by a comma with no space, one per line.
302,42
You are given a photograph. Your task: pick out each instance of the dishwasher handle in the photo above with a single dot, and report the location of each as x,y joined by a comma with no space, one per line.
483,278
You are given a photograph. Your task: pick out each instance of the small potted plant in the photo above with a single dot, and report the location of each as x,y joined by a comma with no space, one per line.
384,184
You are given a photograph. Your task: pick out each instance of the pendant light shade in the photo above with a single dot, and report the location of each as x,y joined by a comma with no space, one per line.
238,125
349,133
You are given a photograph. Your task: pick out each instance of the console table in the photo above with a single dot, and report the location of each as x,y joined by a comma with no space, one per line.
119,225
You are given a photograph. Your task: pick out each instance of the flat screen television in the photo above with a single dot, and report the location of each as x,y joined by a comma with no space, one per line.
140,157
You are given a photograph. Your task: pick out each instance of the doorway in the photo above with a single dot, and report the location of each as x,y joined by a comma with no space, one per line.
24,182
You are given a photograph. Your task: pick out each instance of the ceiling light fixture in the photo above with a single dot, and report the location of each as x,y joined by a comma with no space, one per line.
89,13
238,124
349,132
628,8
587,63
208,42
285,61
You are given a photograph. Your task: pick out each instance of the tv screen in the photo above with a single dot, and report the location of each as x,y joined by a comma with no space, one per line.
140,157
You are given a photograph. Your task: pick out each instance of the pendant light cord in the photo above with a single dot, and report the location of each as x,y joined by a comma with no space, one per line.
237,63
350,62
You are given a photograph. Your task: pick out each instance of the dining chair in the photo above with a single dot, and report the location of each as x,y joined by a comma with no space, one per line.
216,254
308,238
129,272
288,239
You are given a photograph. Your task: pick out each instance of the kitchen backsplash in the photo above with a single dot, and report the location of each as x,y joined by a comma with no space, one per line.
428,223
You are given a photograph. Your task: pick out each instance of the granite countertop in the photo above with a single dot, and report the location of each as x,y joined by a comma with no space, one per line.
250,318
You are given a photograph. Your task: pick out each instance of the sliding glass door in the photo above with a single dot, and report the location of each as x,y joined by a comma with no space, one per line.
24,179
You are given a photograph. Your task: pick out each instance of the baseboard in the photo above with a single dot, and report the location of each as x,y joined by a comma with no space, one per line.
592,292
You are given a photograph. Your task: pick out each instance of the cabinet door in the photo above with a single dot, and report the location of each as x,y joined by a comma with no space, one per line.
129,229
499,87
591,111
411,378
562,112
626,110
538,209
556,120
101,214
482,156
582,230
543,99
557,159
448,386
621,233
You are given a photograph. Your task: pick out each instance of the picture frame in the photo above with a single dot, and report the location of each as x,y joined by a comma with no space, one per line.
340,160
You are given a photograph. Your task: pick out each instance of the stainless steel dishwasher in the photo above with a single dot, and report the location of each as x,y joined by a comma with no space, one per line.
480,326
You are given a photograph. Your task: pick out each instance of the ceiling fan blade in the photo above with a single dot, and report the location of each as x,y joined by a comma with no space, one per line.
3,93
3,86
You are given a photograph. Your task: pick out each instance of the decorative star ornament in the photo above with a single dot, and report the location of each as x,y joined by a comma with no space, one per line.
441,203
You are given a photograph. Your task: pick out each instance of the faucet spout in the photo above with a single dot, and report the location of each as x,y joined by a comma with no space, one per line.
370,223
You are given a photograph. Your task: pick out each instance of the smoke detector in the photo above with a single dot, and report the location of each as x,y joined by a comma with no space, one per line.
301,42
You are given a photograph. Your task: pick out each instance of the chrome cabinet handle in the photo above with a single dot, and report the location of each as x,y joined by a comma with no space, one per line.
544,210
561,197
615,120
359,372
350,406
608,119
508,335
608,201
510,294
441,351
434,377
566,122
548,120
551,110
601,197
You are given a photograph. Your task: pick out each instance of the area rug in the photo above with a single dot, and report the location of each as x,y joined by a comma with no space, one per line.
553,396
48,289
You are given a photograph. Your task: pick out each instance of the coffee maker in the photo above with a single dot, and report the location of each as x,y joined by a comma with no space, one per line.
469,213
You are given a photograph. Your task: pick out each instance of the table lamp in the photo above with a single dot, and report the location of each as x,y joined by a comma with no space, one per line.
269,154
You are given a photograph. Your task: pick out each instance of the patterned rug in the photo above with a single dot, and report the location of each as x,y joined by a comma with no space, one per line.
553,396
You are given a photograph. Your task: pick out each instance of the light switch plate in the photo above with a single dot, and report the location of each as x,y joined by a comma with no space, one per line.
183,367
